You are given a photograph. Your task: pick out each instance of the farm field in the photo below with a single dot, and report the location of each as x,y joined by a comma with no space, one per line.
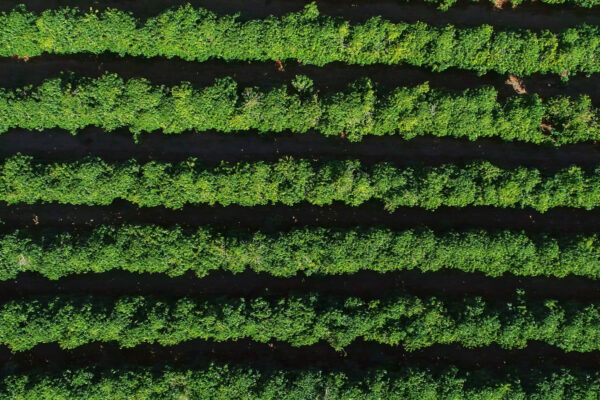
284,199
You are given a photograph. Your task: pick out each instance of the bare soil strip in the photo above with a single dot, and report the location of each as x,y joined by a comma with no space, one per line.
465,13
359,355
273,218
16,73
368,285
213,147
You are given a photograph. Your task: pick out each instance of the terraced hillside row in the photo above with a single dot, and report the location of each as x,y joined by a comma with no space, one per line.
225,260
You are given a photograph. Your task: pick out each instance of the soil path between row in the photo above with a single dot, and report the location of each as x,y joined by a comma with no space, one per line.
365,284
281,218
213,147
357,356
332,77
464,13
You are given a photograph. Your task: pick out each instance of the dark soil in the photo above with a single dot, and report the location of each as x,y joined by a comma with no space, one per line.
368,285
214,147
359,355
273,218
335,77
466,13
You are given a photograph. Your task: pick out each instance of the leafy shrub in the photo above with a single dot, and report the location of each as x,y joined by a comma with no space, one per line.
410,321
360,110
198,34
241,382
92,181
173,251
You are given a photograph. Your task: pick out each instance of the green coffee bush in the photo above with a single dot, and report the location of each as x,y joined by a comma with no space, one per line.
240,382
174,251
409,321
196,34
92,181
360,110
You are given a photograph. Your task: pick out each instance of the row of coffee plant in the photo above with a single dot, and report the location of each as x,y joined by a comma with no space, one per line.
175,251
399,319
307,36
288,181
241,382
362,109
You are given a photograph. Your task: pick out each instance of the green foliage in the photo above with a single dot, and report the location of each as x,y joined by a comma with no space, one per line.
409,321
198,34
92,181
173,251
240,382
361,109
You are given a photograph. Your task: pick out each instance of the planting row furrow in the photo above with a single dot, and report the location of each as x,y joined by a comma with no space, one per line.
195,354
368,285
241,381
409,321
92,181
535,14
198,34
214,147
16,73
271,218
175,251
109,102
